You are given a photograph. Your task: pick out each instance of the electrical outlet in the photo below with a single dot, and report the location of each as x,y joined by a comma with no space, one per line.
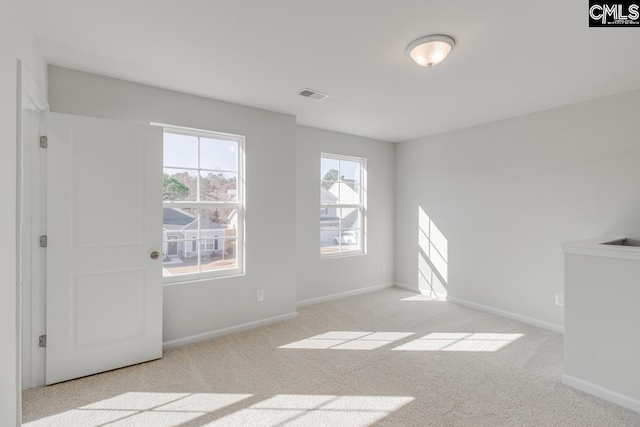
260,295
560,299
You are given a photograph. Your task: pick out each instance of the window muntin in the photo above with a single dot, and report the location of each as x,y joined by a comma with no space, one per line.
202,204
342,209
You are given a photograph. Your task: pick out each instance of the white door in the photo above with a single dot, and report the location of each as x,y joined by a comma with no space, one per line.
104,223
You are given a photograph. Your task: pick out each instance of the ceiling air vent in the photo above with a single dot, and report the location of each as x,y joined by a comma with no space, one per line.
313,94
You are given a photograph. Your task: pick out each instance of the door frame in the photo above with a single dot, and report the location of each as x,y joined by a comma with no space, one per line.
31,204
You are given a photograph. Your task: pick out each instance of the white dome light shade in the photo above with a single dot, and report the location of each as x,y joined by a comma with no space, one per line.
430,50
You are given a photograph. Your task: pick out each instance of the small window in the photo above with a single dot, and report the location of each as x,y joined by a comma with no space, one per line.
342,210
203,211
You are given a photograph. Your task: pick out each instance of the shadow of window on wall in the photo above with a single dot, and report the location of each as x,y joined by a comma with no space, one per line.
433,258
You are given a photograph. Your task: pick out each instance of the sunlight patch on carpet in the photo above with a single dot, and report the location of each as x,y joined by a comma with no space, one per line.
348,340
480,342
315,410
174,409
142,409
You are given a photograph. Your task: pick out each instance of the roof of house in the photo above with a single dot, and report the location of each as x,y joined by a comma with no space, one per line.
205,224
177,219
326,196
351,183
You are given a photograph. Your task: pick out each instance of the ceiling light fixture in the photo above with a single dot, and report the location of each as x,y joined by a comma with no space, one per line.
430,50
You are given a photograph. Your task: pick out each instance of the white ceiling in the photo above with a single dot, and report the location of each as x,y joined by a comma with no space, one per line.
511,57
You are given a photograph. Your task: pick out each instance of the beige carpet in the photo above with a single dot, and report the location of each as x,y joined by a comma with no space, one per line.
384,358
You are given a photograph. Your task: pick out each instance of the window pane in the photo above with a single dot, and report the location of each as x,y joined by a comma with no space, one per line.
218,154
188,267
340,240
176,221
349,170
349,218
327,244
189,232
179,185
216,253
329,170
349,240
210,224
348,192
180,256
329,219
180,247
329,192
225,219
340,229
349,182
180,150
223,256
329,228
218,187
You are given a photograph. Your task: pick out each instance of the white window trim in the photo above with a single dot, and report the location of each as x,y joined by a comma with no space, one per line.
239,205
361,207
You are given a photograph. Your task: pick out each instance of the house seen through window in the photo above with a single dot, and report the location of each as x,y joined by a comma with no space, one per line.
342,207
202,204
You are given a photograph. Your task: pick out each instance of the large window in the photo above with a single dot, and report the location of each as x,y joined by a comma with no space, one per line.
203,213
342,205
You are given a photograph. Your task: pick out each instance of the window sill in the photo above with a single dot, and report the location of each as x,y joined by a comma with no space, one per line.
342,254
200,277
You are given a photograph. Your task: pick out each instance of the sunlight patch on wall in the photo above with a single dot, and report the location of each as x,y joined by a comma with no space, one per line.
478,342
348,340
433,257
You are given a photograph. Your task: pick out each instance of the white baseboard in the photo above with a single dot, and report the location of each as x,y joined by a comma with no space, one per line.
509,315
419,291
502,313
227,331
344,294
408,287
601,392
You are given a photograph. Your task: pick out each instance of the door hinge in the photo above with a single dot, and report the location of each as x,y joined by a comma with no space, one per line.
42,341
43,241
44,141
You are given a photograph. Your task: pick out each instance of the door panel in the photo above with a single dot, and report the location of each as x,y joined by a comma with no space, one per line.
122,191
104,291
95,294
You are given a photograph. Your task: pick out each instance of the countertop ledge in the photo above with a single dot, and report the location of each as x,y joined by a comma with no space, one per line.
596,247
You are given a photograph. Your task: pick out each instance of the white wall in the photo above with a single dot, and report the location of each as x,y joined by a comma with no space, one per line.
205,306
322,277
16,43
600,343
505,194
